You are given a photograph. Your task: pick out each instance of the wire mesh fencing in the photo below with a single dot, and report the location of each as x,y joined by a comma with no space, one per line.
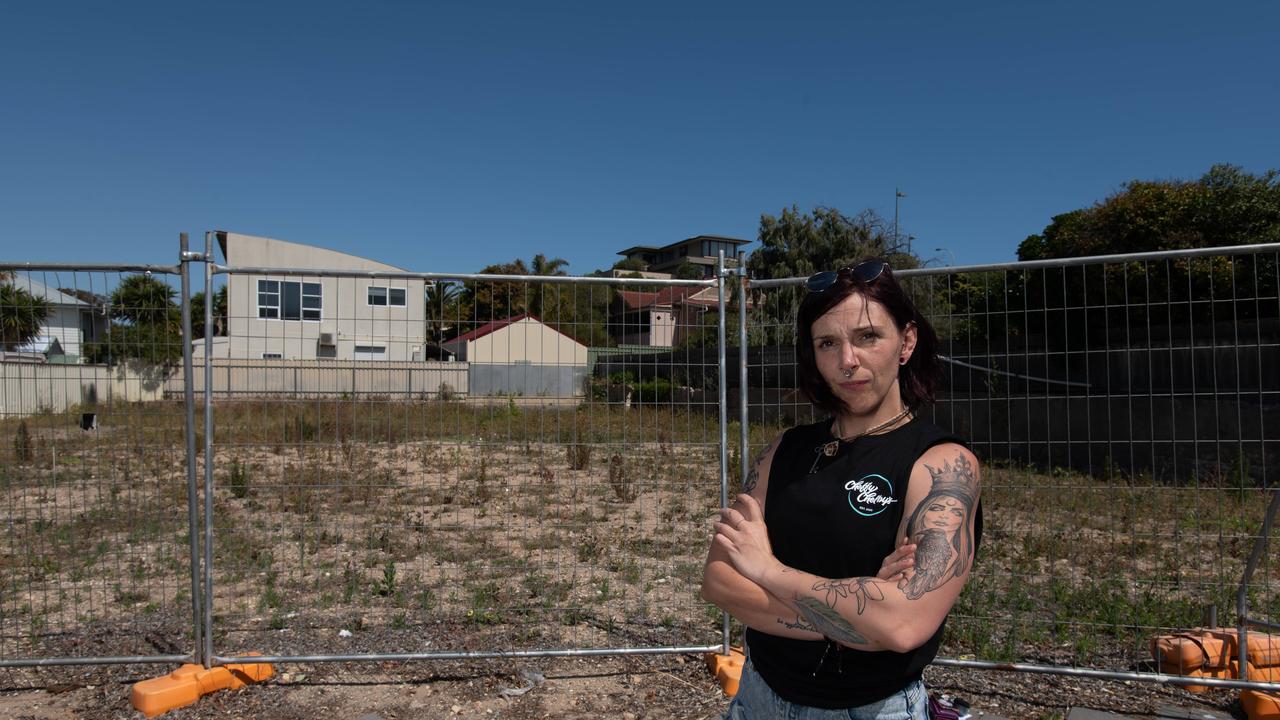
94,565
413,465
1124,410
476,475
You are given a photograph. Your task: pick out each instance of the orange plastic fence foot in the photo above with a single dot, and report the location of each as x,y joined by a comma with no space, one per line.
1260,705
727,669
185,685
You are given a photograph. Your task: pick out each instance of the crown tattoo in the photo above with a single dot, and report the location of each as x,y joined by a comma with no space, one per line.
957,478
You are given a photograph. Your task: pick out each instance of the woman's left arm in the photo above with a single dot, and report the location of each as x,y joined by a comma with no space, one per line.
864,612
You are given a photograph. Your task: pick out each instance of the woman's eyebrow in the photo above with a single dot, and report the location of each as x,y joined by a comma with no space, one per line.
837,333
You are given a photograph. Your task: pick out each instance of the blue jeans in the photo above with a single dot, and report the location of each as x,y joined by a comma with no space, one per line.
757,701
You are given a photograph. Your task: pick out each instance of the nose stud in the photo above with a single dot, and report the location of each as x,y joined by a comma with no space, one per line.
848,373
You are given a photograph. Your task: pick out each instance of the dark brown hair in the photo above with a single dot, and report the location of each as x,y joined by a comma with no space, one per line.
918,379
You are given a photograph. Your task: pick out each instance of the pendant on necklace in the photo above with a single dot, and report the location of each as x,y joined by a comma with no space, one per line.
824,450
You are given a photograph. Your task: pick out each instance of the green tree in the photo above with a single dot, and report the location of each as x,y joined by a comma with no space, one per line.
488,300
545,299
688,271
143,300
146,324
442,311
219,313
1226,206
21,314
554,266
796,244
633,264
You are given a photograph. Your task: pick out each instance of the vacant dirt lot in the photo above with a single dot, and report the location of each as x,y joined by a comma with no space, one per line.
390,527
655,688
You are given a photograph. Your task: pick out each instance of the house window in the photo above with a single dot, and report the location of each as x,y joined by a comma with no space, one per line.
386,296
712,248
268,298
272,356
288,300
371,352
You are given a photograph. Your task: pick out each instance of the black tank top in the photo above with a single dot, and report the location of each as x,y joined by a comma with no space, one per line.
840,522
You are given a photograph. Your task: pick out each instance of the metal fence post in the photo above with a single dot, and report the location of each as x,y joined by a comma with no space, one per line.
744,417
207,650
722,353
189,402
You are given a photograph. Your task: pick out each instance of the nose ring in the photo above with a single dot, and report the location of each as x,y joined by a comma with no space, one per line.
848,373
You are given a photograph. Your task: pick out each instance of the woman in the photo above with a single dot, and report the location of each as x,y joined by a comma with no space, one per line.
832,629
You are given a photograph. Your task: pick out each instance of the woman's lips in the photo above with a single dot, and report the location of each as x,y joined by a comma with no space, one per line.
855,385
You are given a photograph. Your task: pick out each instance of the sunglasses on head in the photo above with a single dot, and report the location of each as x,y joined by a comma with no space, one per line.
865,271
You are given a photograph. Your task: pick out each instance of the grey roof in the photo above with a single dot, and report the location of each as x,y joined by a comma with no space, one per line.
40,290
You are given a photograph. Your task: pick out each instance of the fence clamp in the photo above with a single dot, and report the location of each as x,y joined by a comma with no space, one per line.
191,256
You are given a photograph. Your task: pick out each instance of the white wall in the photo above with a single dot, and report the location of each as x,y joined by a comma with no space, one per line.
345,310
28,388
526,341
325,378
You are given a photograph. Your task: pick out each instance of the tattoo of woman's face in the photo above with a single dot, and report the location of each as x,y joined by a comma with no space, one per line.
939,527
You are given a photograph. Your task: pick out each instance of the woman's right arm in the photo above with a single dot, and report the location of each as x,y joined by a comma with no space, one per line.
751,604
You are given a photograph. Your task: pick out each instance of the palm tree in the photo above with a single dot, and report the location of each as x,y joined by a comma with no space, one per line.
143,300
544,267
440,305
21,313
219,313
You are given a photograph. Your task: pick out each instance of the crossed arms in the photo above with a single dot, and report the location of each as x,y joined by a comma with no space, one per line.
898,610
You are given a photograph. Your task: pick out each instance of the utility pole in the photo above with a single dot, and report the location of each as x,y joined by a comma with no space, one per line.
897,195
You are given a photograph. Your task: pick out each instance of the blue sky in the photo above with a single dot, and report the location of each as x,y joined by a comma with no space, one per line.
448,136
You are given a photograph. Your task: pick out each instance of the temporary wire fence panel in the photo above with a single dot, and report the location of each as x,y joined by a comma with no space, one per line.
531,506
1125,414
94,562
469,465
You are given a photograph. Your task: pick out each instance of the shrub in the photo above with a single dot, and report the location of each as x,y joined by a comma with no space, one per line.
579,451
654,391
238,480
620,479
23,446
579,454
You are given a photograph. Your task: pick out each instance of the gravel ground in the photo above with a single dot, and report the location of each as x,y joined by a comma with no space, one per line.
634,688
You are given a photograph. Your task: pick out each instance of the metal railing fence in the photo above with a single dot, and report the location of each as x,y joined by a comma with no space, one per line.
435,466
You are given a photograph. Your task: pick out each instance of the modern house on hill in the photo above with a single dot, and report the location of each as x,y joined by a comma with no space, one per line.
663,318
701,250
307,318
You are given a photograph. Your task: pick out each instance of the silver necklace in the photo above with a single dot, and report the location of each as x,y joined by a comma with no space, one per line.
829,449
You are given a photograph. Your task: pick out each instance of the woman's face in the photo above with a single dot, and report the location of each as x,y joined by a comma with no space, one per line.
857,348
944,513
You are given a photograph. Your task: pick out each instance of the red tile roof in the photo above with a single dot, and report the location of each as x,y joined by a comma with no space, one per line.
495,325
638,299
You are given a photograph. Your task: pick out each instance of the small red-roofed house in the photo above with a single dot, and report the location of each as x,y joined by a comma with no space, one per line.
521,355
661,318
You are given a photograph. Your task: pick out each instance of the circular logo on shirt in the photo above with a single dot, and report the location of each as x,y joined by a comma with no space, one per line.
870,495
